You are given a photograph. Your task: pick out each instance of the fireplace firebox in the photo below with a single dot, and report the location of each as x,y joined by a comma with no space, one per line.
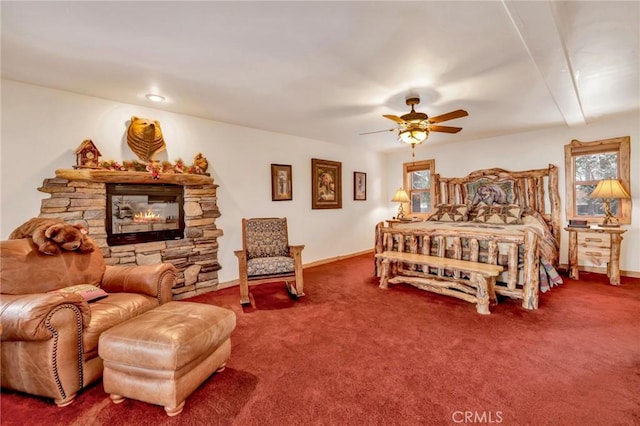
144,213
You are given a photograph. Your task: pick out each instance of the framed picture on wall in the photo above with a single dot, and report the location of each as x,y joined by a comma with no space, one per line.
281,182
359,186
326,184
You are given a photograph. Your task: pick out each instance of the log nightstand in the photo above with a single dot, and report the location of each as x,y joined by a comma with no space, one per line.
598,244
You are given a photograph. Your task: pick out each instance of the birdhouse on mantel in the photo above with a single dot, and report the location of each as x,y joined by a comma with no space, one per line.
87,155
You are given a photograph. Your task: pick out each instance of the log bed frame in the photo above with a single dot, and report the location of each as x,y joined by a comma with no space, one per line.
530,192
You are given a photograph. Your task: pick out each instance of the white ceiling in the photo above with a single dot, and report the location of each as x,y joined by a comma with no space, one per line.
329,70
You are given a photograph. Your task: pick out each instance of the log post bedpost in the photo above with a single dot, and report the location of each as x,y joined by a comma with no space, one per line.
531,270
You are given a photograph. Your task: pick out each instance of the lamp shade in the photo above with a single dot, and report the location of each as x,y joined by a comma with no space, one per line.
400,196
609,188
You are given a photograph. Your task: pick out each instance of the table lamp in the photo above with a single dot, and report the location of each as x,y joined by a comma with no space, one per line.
400,197
608,189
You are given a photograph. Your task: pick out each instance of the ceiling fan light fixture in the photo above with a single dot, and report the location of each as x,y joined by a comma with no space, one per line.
414,127
413,135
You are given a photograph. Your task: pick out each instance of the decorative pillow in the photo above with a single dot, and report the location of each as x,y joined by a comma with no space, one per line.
89,292
491,192
472,210
450,213
503,215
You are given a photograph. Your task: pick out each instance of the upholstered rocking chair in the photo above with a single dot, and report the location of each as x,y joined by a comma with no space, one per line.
266,256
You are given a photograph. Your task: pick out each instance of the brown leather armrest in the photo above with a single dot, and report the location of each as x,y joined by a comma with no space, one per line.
153,280
28,316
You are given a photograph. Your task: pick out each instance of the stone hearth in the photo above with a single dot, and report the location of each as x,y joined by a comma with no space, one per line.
79,196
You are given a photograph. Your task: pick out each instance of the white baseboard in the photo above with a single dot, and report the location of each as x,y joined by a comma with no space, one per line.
235,282
335,258
600,270
597,270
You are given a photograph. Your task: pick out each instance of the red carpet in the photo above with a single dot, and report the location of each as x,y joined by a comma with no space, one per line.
349,353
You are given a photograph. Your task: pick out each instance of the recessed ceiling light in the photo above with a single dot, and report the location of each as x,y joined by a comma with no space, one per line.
155,98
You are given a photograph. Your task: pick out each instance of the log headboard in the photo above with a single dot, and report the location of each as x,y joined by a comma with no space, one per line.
536,189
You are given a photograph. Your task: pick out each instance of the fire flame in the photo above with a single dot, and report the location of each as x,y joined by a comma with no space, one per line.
147,217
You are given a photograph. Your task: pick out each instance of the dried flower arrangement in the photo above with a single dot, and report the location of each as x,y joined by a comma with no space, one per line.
199,166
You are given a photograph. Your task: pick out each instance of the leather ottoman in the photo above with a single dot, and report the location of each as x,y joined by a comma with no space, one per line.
163,355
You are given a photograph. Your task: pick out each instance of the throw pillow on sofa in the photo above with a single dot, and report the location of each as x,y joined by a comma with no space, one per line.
89,292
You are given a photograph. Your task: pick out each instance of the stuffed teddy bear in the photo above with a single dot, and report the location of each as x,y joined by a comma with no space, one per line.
51,235
144,137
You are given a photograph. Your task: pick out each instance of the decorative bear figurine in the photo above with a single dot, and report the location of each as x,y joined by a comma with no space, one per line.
145,139
200,161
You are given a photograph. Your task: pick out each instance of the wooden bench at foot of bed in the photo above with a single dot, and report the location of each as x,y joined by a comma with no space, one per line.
478,289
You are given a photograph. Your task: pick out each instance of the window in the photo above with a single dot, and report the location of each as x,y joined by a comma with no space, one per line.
587,163
417,183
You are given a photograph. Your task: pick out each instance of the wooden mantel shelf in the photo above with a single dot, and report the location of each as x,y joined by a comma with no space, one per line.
111,176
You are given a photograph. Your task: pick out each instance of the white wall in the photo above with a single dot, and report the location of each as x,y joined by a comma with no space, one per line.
534,150
41,128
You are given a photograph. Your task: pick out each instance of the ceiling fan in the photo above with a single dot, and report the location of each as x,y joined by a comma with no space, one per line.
414,127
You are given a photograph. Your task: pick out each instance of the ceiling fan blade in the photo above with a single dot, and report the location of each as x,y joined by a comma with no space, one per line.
378,131
445,129
395,118
449,116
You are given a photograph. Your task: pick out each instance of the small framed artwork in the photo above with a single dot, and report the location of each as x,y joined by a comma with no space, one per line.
359,186
281,182
326,184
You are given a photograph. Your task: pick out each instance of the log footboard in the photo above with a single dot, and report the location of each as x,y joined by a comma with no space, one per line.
422,243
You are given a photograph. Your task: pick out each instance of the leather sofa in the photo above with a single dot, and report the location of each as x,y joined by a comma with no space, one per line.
50,339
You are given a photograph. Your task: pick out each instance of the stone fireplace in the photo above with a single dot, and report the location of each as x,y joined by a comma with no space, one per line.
80,196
